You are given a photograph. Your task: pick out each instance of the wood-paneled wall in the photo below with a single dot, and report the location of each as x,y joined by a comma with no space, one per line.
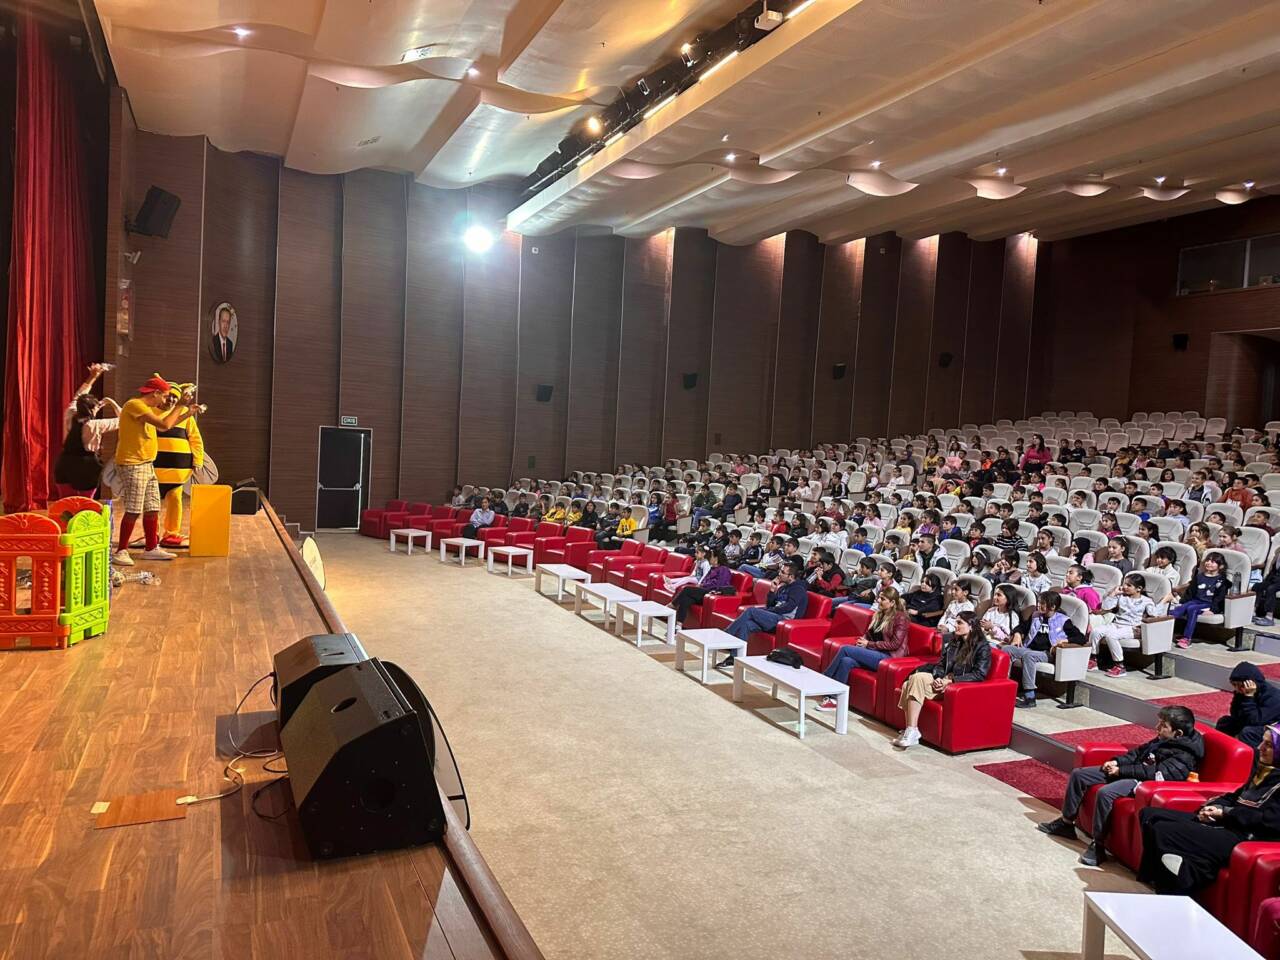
357,298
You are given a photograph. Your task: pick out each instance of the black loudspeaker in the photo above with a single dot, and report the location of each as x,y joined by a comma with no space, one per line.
544,393
1181,341
838,371
246,498
155,217
690,381
944,360
300,666
360,766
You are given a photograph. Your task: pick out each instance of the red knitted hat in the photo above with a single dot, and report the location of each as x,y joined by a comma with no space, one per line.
156,384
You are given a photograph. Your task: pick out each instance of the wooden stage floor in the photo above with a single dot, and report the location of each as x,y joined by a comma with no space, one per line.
145,708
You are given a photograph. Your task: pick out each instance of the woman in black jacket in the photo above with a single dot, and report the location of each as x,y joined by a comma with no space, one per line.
1183,852
966,658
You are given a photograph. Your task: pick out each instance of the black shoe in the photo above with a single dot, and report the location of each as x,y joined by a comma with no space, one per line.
1060,827
726,662
1024,703
1094,855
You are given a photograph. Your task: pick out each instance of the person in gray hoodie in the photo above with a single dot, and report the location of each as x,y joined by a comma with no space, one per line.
1255,704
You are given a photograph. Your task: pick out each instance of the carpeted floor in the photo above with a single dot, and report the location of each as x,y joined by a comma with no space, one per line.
1129,734
1038,780
631,813
1207,707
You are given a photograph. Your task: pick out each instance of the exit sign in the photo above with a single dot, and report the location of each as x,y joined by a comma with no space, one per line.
349,421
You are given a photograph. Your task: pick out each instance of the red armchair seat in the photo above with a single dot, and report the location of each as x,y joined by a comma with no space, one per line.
526,538
618,569
700,613
648,582
723,614
596,559
818,608
375,523
869,692
503,527
1227,763
809,637
552,553
971,716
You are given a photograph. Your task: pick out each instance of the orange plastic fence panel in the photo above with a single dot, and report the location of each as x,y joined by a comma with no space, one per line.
39,538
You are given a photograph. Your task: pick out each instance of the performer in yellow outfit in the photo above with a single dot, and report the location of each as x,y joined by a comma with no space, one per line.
181,450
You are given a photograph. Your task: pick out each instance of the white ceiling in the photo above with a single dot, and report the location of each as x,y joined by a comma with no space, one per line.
1084,102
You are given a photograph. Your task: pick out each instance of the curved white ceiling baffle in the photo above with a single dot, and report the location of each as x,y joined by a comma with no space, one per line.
1087,188
1233,196
994,188
379,34
1164,193
878,183
193,15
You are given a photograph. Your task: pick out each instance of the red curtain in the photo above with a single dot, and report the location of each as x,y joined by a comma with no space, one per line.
51,295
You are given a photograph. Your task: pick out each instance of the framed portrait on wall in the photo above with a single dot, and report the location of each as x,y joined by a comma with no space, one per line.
223,332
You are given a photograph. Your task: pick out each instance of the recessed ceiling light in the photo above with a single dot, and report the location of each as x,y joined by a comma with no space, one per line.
1248,184
594,125
1160,181
472,72
725,138
875,164
731,157
1001,171
241,32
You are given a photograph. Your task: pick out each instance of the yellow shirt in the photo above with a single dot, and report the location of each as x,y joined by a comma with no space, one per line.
627,526
137,437
554,514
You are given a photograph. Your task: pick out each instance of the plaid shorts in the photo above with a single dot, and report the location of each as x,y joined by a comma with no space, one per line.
136,487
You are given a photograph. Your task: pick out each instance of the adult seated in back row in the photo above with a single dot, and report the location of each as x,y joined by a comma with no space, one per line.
481,517
787,601
885,638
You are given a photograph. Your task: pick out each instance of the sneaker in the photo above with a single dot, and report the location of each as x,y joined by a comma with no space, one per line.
158,554
1094,855
1025,703
1264,622
907,739
172,541
121,558
1117,671
1172,862
1183,642
1059,827
827,703
1093,663
726,662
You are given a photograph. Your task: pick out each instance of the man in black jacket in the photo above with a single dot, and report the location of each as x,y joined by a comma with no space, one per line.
1175,752
1255,704
788,600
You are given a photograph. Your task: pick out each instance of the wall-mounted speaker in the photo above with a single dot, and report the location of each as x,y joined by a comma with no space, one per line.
838,371
944,360
155,217
544,393
1181,341
361,766
690,381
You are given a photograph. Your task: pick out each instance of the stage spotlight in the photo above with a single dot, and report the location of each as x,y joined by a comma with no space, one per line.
594,126
477,239
1248,184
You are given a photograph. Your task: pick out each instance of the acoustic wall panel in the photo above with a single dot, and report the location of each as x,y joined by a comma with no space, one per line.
986,278
304,381
913,325
873,373
593,367
643,356
693,294
797,341
947,340
841,303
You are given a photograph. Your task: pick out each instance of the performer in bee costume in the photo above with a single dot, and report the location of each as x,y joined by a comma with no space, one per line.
181,450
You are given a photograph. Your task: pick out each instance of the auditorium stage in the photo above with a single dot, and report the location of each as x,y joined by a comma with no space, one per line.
142,709
632,813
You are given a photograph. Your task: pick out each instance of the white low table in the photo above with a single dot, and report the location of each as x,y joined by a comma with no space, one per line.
710,642
511,553
645,611
802,682
605,594
1158,928
409,534
463,544
563,574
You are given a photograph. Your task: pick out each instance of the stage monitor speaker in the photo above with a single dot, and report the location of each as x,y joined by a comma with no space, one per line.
300,666
690,381
1181,341
544,393
838,371
156,214
246,498
361,766
944,360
